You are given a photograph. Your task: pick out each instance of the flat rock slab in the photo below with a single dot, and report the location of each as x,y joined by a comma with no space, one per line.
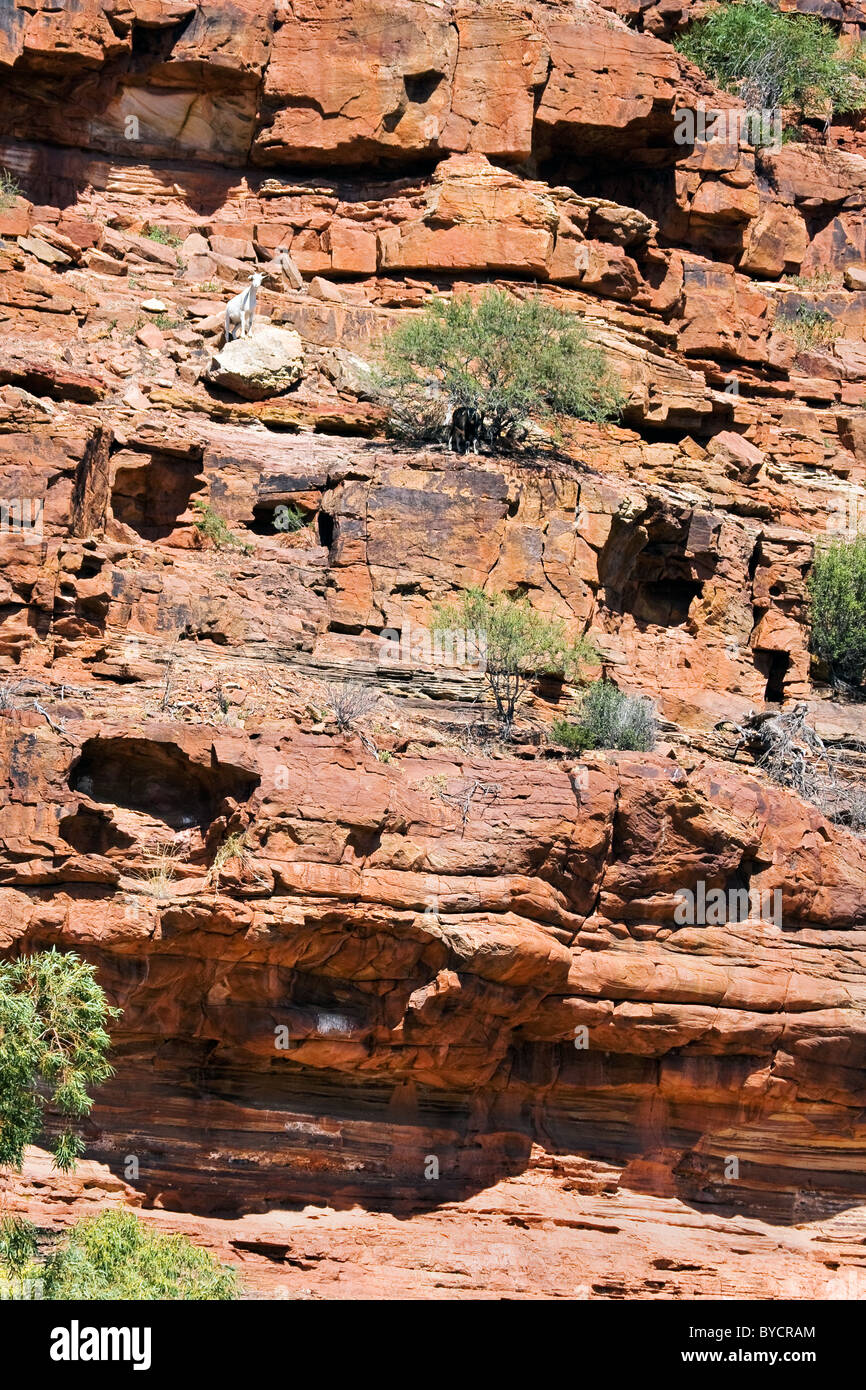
266,364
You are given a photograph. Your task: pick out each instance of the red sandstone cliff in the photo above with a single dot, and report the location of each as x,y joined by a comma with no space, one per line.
430,930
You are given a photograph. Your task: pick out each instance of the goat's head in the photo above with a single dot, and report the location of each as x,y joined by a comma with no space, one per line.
256,279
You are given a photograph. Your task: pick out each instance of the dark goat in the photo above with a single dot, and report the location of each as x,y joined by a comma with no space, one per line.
465,426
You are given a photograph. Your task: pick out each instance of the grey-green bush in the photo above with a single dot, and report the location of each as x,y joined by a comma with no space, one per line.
508,358
519,645
837,591
607,718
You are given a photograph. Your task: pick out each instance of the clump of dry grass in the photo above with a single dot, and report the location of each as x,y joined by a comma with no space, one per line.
10,190
234,848
824,279
160,872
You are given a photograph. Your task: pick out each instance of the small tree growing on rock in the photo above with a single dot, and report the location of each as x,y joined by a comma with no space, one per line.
115,1255
519,645
214,528
837,589
509,359
53,1046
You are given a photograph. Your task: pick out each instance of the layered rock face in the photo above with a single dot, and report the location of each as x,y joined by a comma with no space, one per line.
405,997
402,968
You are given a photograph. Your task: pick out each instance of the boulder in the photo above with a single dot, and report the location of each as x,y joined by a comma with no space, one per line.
736,455
48,255
282,270
347,82
264,365
324,289
778,241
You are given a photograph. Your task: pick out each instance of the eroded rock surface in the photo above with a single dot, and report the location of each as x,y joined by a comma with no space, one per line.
364,954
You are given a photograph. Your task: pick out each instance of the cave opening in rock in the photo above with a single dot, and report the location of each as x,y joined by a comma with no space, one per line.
158,780
151,491
664,602
738,887
420,86
648,572
270,518
91,832
393,118
325,524
775,666
151,45
90,566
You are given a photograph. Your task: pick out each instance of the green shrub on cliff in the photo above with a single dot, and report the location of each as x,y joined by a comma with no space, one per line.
115,1255
515,645
773,59
607,718
215,528
507,358
53,1047
837,590
19,1243
162,235
808,325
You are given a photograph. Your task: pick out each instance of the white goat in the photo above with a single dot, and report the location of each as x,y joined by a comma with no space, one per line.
241,311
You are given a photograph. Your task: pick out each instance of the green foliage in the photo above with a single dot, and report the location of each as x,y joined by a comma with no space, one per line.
20,1268
18,1245
808,325
162,321
116,1256
215,528
518,645
607,718
289,518
508,358
773,59
53,1046
164,237
569,735
837,589
10,190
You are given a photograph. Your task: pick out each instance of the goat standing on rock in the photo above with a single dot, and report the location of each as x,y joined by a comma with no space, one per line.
241,311
464,425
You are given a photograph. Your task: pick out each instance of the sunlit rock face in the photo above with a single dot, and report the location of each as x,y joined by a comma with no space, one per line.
408,1010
